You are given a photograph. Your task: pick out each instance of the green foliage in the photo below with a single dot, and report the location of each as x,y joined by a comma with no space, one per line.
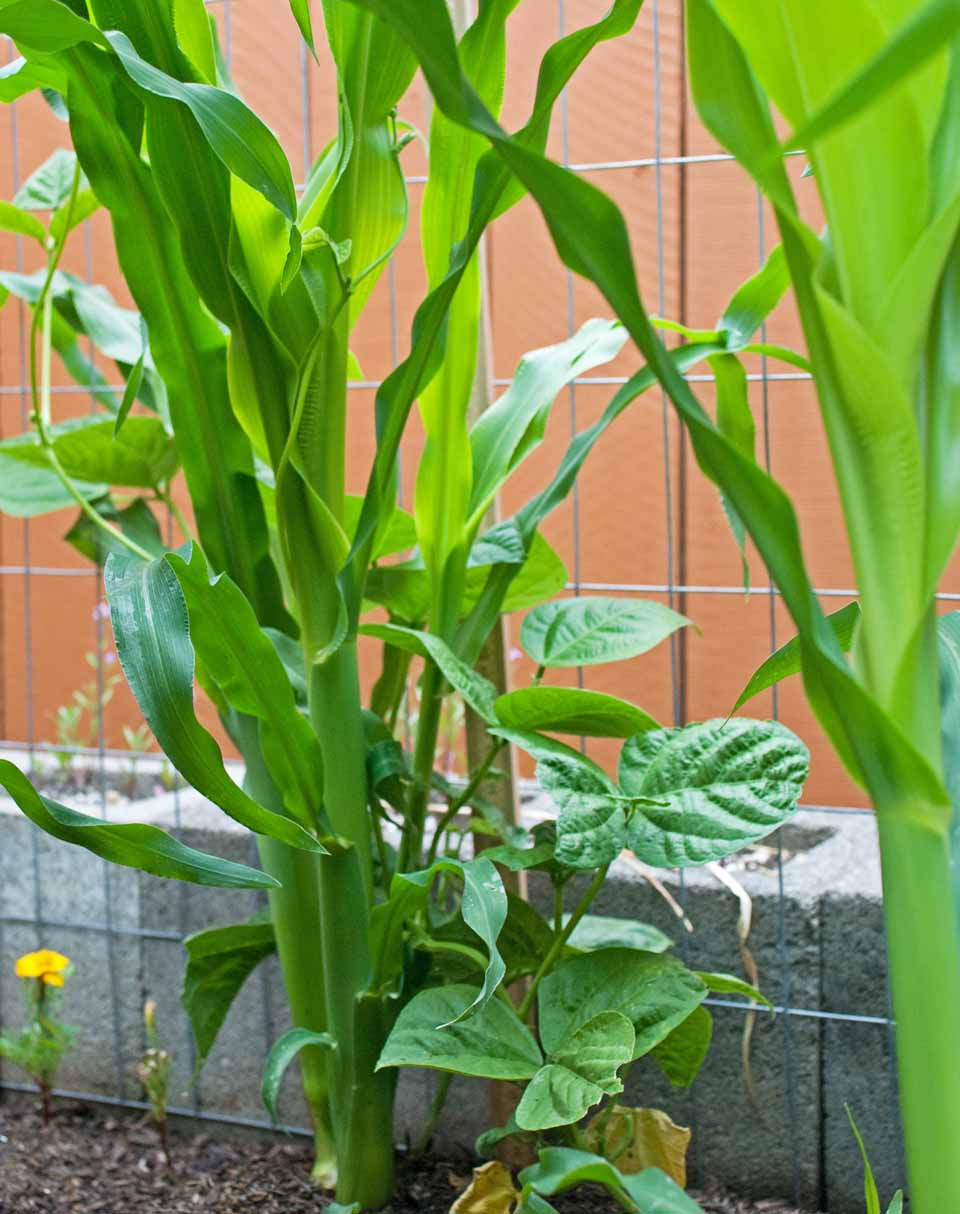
219,961
559,1169
40,1045
234,370
590,630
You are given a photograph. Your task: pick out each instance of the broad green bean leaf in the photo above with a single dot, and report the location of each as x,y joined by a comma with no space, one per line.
146,848
219,961
48,187
654,992
16,219
478,692
754,300
579,1074
487,1142
591,826
786,660
282,1053
28,490
136,521
719,786
681,1053
561,1168
152,631
523,942
143,455
590,630
541,574
524,939
730,984
513,426
603,931
493,1043
238,137
571,710
241,660
483,908
117,331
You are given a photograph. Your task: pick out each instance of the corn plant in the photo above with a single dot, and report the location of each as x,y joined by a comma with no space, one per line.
870,91
235,369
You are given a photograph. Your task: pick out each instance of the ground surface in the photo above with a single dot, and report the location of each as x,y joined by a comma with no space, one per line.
91,1162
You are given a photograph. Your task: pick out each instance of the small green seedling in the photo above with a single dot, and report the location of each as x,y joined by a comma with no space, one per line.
153,1071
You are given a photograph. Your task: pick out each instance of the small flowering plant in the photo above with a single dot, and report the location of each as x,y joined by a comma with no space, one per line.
153,1071
40,1045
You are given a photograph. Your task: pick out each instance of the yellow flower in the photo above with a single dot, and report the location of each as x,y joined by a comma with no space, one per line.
44,964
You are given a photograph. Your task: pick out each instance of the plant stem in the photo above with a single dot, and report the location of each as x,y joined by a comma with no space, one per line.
924,950
295,913
558,907
361,1097
464,799
428,725
558,945
42,321
436,1109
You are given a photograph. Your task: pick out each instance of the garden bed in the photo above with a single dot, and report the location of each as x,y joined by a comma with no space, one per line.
93,1161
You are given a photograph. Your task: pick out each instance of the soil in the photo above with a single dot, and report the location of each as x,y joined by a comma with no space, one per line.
91,1161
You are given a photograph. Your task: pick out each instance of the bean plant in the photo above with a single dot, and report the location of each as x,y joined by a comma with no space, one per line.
869,91
398,947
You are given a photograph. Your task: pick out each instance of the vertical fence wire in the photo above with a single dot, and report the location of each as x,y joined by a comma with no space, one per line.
674,588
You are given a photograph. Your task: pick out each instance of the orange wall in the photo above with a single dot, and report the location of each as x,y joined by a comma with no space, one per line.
703,218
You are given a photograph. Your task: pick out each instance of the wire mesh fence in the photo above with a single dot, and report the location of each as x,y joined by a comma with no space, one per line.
679,586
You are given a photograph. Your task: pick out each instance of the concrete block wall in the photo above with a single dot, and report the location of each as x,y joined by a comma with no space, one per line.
817,940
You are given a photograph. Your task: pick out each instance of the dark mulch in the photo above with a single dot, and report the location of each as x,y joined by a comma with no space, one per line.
92,1162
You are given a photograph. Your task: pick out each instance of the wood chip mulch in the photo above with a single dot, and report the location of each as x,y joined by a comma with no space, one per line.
91,1161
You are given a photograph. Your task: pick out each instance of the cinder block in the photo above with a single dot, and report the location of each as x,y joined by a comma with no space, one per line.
817,938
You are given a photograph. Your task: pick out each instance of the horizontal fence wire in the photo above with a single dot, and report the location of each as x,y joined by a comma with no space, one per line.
676,588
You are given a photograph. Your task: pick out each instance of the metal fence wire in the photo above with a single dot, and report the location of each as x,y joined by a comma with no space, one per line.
121,937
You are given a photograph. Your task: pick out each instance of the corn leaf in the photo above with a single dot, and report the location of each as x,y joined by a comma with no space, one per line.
241,660
151,627
146,848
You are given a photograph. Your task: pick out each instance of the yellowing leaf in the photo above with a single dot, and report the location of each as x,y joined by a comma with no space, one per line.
635,1139
491,1191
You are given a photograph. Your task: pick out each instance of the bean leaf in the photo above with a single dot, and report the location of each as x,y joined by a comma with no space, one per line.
590,630
718,785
